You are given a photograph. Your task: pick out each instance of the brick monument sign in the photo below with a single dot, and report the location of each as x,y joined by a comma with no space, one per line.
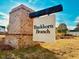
24,26
20,30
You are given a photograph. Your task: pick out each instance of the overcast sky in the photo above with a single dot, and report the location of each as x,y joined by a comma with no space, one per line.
69,15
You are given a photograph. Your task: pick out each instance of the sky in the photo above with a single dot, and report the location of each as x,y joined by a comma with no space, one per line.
69,15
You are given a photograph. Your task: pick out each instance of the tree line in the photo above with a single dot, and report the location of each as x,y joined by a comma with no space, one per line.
62,28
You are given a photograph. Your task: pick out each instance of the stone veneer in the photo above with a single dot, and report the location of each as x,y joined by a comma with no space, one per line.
20,30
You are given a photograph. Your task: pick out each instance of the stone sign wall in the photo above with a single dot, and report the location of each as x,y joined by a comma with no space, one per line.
20,28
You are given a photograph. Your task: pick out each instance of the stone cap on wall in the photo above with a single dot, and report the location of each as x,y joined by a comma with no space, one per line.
21,7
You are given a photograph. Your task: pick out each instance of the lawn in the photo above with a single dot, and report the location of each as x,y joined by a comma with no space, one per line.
36,52
65,48
60,49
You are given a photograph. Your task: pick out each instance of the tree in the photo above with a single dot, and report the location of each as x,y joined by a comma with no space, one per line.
62,28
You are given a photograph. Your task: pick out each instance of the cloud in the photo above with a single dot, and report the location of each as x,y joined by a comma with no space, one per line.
65,18
30,1
53,1
62,18
77,19
4,21
25,1
71,27
57,23
3,15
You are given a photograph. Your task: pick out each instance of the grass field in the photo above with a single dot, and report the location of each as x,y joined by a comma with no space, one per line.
36,52
65,48
60,49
